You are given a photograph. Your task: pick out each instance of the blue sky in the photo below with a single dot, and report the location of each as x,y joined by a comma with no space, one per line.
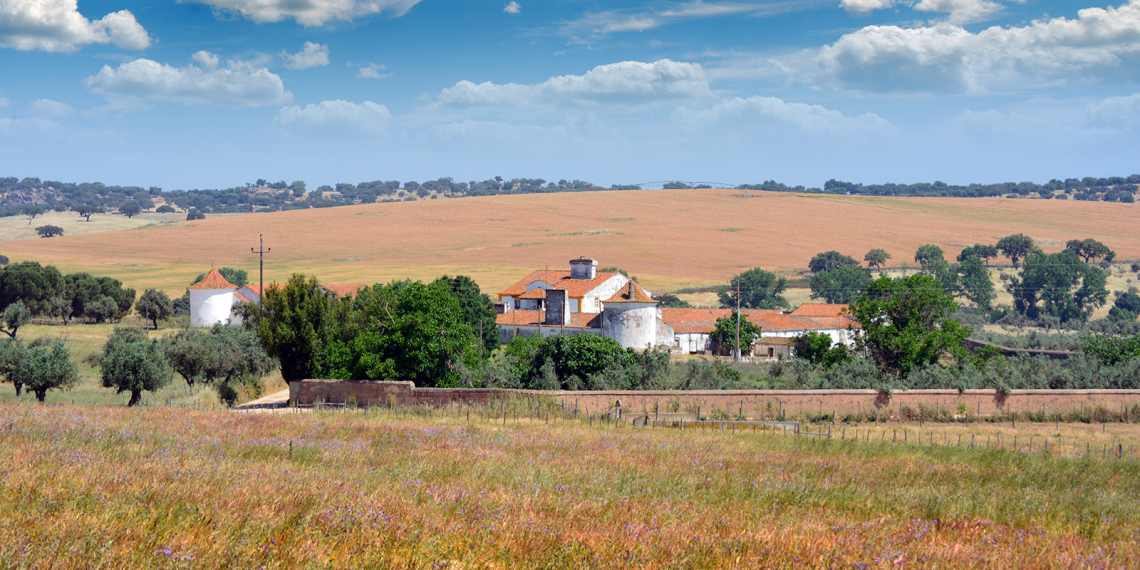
215,94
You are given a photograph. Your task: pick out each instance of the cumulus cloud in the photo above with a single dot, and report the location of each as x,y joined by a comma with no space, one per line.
627,81
961,11
864,7
49,108
311,12
1101,44
312,55
371,71
335,118
57,26
239,84
512,8
776,114
1115,112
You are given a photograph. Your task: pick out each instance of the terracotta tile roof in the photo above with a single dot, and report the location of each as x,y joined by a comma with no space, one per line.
213,280
523,318
819,310
559,279
255,288
704,320
631,293
241,297
536,293
343,289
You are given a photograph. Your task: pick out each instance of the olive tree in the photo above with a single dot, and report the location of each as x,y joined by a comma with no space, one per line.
132,363
154,305
42,368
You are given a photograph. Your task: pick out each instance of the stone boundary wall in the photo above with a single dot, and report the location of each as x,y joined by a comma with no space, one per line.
753,403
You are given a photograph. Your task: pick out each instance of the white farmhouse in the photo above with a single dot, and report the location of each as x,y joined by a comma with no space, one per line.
213,299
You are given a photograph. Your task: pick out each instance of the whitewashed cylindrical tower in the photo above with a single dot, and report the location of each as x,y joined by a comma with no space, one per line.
630,317
211,300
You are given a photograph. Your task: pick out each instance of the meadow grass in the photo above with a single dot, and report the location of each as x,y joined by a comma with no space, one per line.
172,488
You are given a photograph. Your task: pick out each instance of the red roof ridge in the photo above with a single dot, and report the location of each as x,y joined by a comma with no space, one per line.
632,293
213,280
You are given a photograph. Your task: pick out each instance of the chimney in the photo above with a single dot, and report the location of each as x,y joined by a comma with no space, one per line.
557,307
583,268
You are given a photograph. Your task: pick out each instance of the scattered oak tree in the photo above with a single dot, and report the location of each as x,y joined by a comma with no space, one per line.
1058,285
830,261
49,231
1090,249
1016,247
154,305
876,257
130,209
759,289
839,285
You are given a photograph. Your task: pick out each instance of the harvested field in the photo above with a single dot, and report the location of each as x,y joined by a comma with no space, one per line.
669,238
166,488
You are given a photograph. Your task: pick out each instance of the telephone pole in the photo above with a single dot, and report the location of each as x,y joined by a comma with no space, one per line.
260,251
736,350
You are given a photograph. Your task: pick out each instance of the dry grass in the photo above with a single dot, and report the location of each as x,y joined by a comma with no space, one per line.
165,488
668,238
18,228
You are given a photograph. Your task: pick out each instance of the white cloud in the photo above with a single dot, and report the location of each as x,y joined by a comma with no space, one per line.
1101,44
596,24
627,81
49,108
4,102
310,12
864,7
512,8
57,26
771,113
961,11
312,55
372,71
238,85
335,118
1115,112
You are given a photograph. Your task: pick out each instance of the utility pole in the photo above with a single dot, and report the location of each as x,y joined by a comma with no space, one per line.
736,350
261,251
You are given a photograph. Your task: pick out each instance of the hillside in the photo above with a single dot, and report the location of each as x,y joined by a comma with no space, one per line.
668,238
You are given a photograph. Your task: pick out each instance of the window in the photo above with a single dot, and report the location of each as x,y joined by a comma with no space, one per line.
597,302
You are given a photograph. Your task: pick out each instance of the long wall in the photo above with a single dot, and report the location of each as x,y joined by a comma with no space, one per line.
751,403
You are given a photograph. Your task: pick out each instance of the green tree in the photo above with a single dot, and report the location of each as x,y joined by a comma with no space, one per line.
671,301
830,261
1126,307
402,331
928,253
101,310
478,310
130,209
905,325
31,283
1058,285
839,285
759,289
190,353
816,348
985,252
1090,249
974,282
1111,350
44,368
1016,247
723,335
15,316
235,352
86,210
82,289
154,305
49,231
560,360
134,366
293,323
194,214
165,209
12,353
876,257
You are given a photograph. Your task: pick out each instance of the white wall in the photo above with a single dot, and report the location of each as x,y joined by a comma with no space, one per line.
211,306
633,325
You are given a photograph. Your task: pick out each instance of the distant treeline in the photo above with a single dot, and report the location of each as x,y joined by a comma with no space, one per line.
32,196
1112,189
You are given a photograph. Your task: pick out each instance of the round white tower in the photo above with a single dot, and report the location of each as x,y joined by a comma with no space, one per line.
630,317
211,300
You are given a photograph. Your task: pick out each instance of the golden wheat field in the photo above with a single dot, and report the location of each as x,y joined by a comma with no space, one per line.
669,238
